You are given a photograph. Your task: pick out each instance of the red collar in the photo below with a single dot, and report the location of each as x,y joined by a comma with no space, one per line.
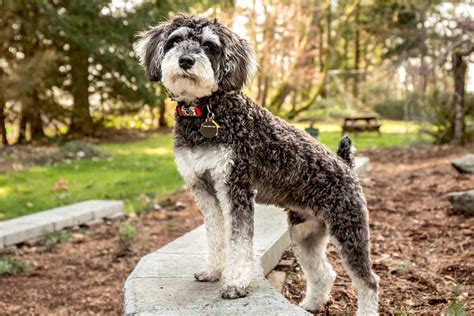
193,109
189,111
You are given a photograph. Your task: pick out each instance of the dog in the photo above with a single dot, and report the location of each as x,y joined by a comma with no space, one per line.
232,152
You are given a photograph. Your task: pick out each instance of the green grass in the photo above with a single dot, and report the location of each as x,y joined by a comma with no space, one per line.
142,172
136,169
394,134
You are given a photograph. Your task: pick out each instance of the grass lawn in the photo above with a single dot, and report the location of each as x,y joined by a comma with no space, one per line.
143,172
136,172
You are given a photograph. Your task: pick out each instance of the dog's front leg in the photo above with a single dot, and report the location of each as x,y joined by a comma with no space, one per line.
214,222
236,200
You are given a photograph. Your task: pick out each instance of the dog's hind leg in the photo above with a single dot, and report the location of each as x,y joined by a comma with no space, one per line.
309,238
351,236
206,199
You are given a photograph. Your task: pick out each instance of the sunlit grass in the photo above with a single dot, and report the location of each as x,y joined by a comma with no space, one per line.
144,171
142,168
388,126
393,134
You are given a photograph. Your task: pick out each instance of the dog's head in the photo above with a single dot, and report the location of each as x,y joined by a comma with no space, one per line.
194,57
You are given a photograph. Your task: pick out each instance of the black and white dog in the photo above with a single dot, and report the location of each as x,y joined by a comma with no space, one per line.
232,152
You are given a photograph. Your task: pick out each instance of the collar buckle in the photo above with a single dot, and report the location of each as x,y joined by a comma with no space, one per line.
189,111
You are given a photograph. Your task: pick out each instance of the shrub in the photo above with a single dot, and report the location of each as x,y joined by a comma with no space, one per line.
74,150
127,231
58,237
127,234
456,308
10,266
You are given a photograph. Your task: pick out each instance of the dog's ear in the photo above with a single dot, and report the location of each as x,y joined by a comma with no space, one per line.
239,63
149,49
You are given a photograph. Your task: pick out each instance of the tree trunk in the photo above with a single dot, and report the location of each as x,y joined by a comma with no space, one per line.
459,71
327,52
81,120
355,86
22,126
304,62
266,83
321,47
34,117
3,129
162,122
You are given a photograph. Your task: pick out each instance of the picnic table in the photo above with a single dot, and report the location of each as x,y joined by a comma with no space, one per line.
363,123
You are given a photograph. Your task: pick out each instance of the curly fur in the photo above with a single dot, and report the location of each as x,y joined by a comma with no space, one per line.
259,157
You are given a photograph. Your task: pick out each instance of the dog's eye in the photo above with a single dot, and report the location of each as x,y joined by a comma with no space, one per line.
210,46
172,41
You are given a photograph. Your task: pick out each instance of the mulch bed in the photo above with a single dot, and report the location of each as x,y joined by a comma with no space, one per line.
86,275
421,248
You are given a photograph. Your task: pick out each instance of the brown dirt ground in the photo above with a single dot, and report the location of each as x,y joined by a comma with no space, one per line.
86,275
421,248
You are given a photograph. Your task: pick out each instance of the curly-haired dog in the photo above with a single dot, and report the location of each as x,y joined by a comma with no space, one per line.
231,151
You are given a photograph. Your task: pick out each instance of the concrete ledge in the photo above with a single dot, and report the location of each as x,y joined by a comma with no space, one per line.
21,229
162,283
362,165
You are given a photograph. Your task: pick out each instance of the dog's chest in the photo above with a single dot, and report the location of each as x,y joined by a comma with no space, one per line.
194,162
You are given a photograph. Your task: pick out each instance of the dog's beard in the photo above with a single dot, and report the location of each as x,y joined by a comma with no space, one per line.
197,82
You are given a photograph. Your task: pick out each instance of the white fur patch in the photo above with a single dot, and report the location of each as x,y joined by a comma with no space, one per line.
209,35
215,233
312,257
192,164
367,298
197,82
240,259
140,47
182,32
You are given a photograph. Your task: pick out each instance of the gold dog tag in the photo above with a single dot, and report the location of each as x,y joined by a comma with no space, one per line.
209,128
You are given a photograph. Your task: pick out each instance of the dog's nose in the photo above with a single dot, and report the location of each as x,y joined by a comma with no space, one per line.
186,61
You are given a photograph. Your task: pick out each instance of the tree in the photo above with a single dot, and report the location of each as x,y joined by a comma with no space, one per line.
100,60
77,50
441,33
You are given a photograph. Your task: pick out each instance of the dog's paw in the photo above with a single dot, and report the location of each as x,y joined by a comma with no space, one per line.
311,305
207,276
233,291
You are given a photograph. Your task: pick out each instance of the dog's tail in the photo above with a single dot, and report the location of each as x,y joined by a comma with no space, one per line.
346,150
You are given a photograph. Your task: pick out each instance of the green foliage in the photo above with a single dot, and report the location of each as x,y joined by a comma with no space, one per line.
391,109
127,231
437,109
456,308
57,237
10,266
457,290
127,234
401,313
75,49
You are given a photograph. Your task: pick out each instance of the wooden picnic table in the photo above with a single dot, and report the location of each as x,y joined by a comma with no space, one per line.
363,123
